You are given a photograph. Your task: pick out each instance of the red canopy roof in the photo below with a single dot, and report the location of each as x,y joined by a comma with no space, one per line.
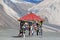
31,16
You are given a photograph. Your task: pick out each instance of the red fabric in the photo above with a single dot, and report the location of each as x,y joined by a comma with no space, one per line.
31,16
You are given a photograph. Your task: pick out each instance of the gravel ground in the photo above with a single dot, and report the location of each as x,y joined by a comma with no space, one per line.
11,34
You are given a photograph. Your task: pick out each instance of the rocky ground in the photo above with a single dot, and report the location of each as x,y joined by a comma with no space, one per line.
11,34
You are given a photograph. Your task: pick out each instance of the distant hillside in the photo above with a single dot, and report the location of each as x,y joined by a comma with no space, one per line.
7,22
19,7
10,11
50,10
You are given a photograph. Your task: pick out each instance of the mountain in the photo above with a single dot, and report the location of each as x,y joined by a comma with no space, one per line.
11,10
7,22
9,13
50,10
17,7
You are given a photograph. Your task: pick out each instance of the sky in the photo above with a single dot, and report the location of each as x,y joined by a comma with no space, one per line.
34,1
